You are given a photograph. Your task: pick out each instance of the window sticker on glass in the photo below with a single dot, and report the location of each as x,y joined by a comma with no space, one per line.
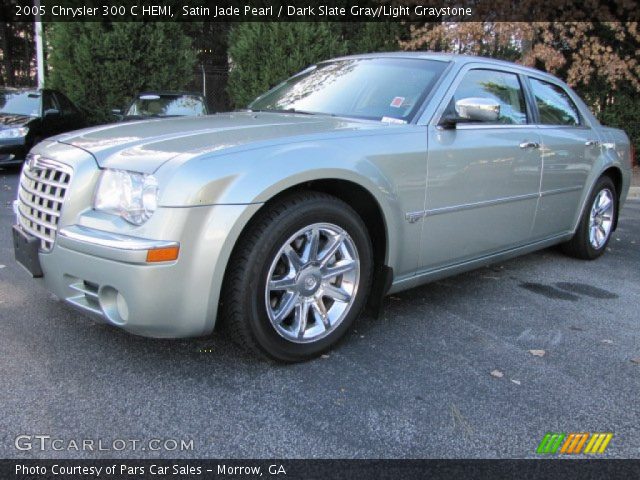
397,102
395,121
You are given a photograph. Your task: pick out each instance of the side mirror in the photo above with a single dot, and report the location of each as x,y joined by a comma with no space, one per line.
475,109
51,112
118,114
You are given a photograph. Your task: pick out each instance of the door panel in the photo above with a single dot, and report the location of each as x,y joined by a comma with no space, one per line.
569,149
567,161
482,190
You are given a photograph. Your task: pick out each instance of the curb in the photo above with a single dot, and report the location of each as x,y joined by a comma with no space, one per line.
634,193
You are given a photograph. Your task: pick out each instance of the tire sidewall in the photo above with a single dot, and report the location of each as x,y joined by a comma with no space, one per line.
270,242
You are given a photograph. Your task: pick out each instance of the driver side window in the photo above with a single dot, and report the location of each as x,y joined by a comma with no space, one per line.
66,106
48,102
501,87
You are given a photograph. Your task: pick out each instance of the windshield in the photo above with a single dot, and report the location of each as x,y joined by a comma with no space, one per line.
20,103
166,105
379,88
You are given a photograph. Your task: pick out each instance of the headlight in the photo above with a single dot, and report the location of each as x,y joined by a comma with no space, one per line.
131,195
15,132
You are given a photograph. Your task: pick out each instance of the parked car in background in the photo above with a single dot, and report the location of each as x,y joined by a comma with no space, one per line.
358,177
164,104
29,115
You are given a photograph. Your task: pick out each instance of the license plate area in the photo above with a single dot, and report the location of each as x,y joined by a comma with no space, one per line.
25,249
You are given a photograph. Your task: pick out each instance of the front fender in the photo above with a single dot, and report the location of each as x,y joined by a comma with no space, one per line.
256,176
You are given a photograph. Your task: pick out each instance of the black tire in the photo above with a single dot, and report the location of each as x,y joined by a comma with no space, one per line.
580,245
243,312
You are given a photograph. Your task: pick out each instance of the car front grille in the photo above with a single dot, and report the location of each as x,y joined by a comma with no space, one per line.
43,186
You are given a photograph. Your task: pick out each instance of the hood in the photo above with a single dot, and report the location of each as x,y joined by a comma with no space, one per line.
145,145
11,120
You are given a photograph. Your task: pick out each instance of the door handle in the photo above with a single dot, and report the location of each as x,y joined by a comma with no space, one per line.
529,145
591,143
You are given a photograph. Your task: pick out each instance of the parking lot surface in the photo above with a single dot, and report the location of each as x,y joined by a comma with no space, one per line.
416,382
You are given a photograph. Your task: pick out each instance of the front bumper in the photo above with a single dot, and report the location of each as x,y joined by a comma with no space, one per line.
12,150
106,275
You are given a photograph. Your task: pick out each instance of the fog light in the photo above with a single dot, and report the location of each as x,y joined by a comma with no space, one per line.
113,305
122,307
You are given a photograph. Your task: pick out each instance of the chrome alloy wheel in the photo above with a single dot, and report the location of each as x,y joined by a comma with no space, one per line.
601,218
312,283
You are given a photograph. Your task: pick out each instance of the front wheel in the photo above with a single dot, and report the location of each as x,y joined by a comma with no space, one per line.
298,277
596,225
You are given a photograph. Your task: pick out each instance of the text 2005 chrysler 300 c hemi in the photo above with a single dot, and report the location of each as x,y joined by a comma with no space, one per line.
357,177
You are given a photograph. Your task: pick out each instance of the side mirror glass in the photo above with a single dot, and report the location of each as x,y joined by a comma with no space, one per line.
476,109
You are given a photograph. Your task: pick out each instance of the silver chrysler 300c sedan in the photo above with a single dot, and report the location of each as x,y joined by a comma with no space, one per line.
355,178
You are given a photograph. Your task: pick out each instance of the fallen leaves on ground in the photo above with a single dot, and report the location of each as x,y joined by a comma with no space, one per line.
460,421
607,341
537,353
636,360
497,374
517,382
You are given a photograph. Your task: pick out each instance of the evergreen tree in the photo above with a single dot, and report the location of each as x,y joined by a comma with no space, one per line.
371,37
102,66
264,54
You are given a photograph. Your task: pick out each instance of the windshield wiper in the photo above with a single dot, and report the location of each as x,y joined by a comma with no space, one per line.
284,110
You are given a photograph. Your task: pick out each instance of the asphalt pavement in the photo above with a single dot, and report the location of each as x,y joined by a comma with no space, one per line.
415,383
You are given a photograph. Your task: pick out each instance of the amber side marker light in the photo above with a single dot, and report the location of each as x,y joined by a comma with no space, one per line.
165,254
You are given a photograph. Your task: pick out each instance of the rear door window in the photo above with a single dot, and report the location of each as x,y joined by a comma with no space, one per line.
555,106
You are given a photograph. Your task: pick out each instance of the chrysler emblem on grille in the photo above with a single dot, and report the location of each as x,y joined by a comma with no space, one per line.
33,162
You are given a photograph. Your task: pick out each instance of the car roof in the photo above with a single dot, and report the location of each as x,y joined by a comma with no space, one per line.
169,92
21,89
450,57
28,90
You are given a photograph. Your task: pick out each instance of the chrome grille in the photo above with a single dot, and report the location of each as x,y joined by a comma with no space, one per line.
43,187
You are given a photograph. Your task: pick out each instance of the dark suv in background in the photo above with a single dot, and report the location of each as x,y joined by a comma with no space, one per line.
29,115
156,104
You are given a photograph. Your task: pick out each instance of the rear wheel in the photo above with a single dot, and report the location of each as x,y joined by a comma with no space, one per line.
298,277
596,225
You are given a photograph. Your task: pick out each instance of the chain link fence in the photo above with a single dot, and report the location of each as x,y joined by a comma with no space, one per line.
212,82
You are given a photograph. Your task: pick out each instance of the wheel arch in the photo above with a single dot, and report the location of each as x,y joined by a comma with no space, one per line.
366,205
360,199
615,174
